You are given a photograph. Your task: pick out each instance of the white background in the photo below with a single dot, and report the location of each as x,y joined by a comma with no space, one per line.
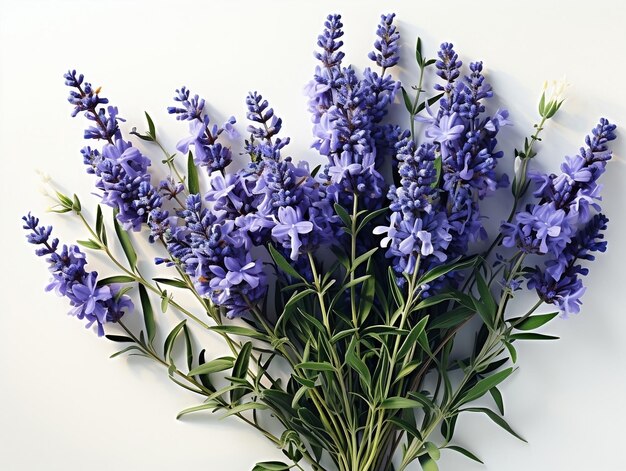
65,406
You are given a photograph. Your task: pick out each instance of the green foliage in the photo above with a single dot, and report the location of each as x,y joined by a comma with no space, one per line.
193,182
369,355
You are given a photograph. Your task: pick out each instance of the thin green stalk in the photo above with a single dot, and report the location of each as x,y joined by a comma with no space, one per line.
335,430
416,101
373,447
208,392
171,165
137,277
355,314
493,341
335,360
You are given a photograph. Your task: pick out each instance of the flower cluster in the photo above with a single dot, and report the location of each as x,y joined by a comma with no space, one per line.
347,112
215,254
122,170
435,213
96,304
561,223
271,201
203,136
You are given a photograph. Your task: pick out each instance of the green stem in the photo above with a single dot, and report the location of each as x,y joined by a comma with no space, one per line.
494,340
137,277
355,316
169,160
373,449
416,101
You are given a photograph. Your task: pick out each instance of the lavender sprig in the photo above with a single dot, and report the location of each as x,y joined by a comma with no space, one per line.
96,304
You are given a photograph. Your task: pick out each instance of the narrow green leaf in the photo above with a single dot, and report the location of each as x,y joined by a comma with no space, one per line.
165,301
511,350
484,385
283,264
357,281
148,313
497,397
408,343
452,318
433,300
243,360
170,282
363,258
542,104
115,279
343,334
193,182
343,214
428,464
308,383
407,370
119,338
201,407
432,450
296,297
316,170
189,346
400,403
169,341
64,200
100,224
121,292
371,216
368,292
496,418
60,210
441,270
407,427
533,322
418,52
213,366
358,365
430,101
90,244
271,466
127,349
315,366
242,331
151,128
438,165
244,407
532,336
383,330
464,452
240,370
485,294
125,242
408,103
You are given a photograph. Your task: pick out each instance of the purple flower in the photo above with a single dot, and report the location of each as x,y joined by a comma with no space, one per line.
127,157
203,137
387,46
236,272
289,226
445,132
85,297
541,230
196,131
69,279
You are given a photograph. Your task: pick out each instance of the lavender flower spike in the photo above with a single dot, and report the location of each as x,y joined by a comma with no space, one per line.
96,304
387,46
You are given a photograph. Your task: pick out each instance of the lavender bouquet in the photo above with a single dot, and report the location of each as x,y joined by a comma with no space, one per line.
340,289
